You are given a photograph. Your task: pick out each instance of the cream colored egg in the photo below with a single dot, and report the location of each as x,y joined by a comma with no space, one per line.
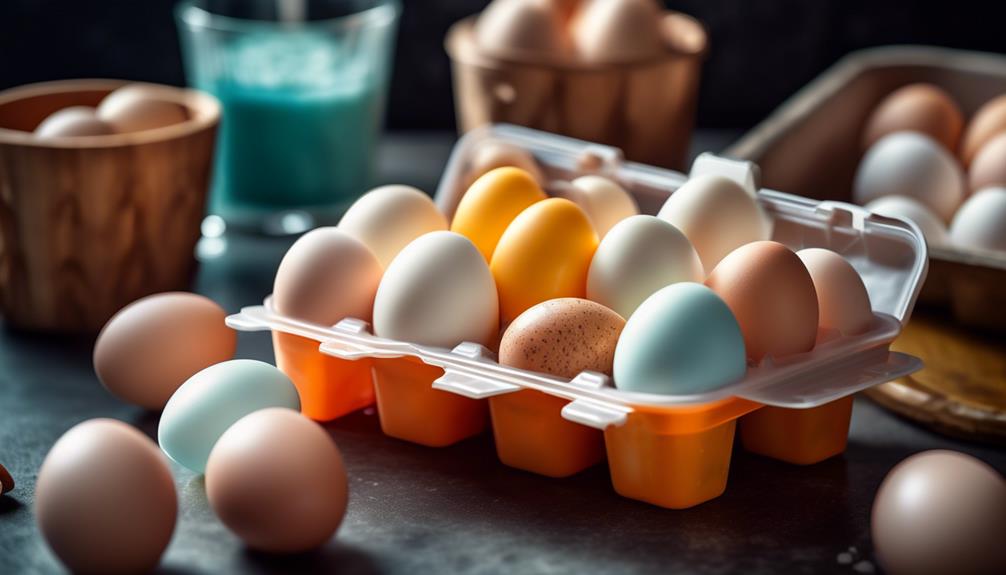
73,121
842,300
387,218
913,165
640,255
137,107
981,221
439,292
933,229
605,202
989,165
516,29
617,31
717,216
489,155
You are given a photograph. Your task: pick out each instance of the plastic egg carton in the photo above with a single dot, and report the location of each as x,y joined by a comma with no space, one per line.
670,450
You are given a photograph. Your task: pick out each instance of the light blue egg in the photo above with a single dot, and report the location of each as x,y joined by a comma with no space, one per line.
212,400
683,339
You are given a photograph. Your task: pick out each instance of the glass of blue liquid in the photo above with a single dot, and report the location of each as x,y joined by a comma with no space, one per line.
303,85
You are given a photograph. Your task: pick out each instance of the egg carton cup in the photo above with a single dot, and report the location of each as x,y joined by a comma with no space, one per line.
670,450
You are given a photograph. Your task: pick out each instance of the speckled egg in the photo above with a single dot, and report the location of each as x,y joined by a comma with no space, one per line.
563,337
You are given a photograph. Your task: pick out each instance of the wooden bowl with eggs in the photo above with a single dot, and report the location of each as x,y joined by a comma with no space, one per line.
611,89
89,223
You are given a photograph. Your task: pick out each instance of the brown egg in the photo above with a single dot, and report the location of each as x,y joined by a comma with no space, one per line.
772,296
6,481
138,107
609,32
522,29
277,480
922,108
105,500
150,347
563,337
988,168
842,300
73,121
940,512
988,122
490,155
327,275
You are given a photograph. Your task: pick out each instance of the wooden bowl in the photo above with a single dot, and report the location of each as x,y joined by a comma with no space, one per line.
647,109
89,224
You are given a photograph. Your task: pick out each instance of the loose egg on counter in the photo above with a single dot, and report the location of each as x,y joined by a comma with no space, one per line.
138,107
912,165
988,122
439,292
212,400
544,254
772,295
387,218
150,347
327,275
617,31
73,121
922,108
105,499
842,300
491,203
939,512
522,29
276,479
562,337
490,154
640,255
605,202
933,228
989,165
981,221
682,340
717,216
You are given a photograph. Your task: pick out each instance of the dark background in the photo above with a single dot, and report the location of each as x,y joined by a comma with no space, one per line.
762,50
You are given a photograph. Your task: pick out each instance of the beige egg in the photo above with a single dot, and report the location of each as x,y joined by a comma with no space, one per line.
605,202
387,218
562,337
717,215
105,499
988,122
842,300
772,295
522,29
326,276
490,154
73,121
922,108
989,165
618,31
277,480
150,347
137,107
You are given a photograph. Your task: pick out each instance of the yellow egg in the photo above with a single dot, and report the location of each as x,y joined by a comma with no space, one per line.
491,203
543,254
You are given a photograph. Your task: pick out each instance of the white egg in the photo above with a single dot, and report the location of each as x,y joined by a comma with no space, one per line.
137,107
438,291
717,215
605,202
73,121
387,218
640,255
910,164
933,229
981,221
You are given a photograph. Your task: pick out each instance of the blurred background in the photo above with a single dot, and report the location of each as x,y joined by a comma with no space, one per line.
762,51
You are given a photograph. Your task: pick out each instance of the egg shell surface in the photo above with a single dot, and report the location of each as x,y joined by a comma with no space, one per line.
638,256
105,500
327,275
988,122
277,480
73,121
562,337
682,340
212,400
137,107
544,254
491,203
522,29
981,221
842,300
933,228
490,154
605,202
988,168
149,348
438,291
772,295
617,31
922,108
387,218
